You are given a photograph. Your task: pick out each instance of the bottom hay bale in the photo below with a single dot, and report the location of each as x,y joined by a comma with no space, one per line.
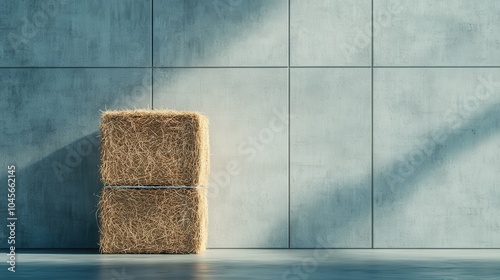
152,221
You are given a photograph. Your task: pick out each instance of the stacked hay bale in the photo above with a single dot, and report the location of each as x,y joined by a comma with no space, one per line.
155,166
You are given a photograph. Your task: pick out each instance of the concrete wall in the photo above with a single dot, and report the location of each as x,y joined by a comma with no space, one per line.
319,138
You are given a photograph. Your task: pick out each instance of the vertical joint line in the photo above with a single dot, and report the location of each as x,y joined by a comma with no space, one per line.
372,175
288,86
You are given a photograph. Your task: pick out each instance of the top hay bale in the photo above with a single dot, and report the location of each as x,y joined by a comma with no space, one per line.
154,148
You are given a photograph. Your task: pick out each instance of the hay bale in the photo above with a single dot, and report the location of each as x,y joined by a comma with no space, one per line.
154,148
152,221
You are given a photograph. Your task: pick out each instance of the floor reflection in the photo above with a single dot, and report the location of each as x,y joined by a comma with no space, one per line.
261,264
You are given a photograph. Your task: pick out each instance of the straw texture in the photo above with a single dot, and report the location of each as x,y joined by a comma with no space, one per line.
152,221
153,148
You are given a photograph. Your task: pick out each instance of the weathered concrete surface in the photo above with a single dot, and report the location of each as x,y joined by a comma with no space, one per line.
247,110
330,158
75,33
437,33
50,116
220,33
330,33
50,122
436,146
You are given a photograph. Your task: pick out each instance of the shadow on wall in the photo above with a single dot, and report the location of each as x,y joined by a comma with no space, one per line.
47,206
52,139
456,141
220,33
56,197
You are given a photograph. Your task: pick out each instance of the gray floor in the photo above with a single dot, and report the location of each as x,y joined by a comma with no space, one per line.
261,264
